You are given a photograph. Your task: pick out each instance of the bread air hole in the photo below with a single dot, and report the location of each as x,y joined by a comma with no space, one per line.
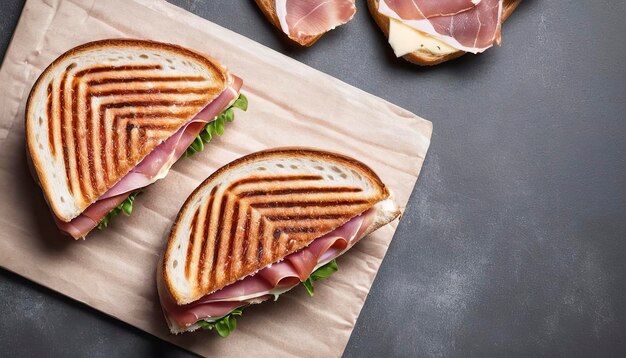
143,55
175,263
335,169
280,165
172,67
343,175
261,168
330,177
62,199
40,121
292,166
319,167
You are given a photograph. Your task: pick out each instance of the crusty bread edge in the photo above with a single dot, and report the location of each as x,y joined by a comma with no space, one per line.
283,151
30,140
383,217
423,58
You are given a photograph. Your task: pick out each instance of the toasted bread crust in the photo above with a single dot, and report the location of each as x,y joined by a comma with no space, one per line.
266,226
423,58
86,186
268,7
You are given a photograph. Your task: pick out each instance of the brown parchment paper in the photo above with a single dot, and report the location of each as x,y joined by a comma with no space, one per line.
290,104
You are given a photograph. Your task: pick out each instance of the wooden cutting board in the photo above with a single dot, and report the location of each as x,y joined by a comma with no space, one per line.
291,104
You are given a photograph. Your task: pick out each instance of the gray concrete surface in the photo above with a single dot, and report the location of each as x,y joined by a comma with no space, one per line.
514,241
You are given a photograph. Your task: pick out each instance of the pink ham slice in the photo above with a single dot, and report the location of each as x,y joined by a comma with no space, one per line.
474,30
305,19
280,277
143,174
424,9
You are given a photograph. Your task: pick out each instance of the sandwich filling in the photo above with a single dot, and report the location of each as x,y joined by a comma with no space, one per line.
156,165
304,19
471,26
311,263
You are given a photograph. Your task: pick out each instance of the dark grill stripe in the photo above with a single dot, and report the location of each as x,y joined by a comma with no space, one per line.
192,238
77,150
124,92
307,217
259,239
51,143
312,203
310,190
64,127
233,231
218,238
91,70
107,81
246,236
207,221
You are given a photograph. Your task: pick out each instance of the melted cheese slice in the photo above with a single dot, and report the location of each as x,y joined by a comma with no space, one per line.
405,39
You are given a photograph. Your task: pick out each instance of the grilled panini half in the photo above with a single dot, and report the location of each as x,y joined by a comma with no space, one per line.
100,108
258,209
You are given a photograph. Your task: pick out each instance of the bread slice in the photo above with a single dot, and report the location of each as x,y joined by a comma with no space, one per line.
268,7
423,57
260,208
100,108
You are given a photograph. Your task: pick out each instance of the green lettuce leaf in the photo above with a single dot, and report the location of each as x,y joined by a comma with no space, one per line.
320,274
225,325
125,207
216,127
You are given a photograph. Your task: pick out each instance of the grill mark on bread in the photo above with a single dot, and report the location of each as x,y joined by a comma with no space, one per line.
66,159
307,217
86,193
207,234
218,238
309,203
246,235
233,232
147,79
51,143
308,190
192,239
124,92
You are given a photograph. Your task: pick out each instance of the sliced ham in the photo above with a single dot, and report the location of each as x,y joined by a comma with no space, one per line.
153,167
305,19
474,30
272,280
424,9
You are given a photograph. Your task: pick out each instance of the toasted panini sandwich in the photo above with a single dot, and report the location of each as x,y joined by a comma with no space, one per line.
262,225
110,117
427,32
306,21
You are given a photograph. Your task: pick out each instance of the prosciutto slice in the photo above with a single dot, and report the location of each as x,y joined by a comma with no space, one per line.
474,30
153,167
305,19
272,280
425,9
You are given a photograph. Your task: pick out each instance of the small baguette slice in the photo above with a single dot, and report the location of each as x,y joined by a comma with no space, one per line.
421,57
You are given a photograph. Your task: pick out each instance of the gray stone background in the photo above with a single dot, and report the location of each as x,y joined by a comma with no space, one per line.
514,240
